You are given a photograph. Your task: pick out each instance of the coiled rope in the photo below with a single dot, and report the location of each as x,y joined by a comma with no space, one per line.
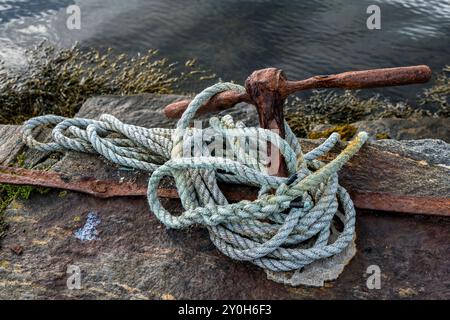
286,228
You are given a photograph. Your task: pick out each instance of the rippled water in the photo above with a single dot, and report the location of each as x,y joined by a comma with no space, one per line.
233,38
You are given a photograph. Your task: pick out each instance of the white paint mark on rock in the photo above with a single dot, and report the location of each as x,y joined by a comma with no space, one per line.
89,232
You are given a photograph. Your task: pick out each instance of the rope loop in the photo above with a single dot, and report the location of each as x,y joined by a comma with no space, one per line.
291,224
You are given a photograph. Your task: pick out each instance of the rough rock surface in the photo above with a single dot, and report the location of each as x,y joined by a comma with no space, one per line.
436,152
403,159
136,257
11,145
147,110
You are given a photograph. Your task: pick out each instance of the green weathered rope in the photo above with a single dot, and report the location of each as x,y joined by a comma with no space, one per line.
280,231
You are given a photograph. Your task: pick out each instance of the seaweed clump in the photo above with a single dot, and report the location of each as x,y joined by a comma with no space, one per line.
438,96
58,80
346,131
329,107
9,193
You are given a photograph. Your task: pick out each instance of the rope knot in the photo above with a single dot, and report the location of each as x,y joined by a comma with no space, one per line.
279,231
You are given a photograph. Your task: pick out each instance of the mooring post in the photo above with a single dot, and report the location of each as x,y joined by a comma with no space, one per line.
263,87
347,80
268,88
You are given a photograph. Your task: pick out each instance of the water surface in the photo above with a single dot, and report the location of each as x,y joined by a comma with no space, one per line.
233,38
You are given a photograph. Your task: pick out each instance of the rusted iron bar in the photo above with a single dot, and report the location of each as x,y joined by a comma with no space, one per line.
379,201
102,188
384,201
89,185
263,87
386,77
268,88
221,101
347,80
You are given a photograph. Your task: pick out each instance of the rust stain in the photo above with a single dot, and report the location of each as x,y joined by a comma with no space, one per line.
17,249
40,242
104,292
167,296
407,292
401,203
362,199
19,219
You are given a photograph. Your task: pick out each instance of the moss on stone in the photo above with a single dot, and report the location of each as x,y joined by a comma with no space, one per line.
438,96
62,194
9,194
345,130
328,107
382,135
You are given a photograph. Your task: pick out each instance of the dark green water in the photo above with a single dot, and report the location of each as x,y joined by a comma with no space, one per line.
233,38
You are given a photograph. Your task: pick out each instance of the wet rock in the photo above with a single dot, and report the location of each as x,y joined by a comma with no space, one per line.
11,143
401,129
405,168
12,147
135,257
436,152
316,273
408,129
147,110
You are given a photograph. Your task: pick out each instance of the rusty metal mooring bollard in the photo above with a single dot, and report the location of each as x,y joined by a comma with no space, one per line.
268,89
